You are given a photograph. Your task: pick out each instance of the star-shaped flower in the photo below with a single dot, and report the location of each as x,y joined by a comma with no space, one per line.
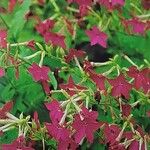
111,132
141,78
120,87
56,112
74,52
55,39
45,26
86,126
71,87
98,79
3,36
58,132
39,73
97,37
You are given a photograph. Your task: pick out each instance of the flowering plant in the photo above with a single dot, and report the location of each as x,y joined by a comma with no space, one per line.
74,74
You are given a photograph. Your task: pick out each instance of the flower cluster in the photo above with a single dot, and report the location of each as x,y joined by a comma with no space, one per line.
58,98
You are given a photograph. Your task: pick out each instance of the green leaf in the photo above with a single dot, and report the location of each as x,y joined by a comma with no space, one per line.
8,136
19,20
7,93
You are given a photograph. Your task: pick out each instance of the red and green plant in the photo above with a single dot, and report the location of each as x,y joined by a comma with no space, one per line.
53,95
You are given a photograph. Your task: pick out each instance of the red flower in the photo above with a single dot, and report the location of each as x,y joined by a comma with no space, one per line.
111,132
136,25
39,73
126,110
98,79
71,87
111,4
56,112
135,145
18,144
5,109
141,78
87,126
74,52
69,143
2,72
120,87
45,26
97,37
3,36
58,132
55,39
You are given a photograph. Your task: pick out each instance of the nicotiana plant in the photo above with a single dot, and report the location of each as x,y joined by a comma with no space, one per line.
52,96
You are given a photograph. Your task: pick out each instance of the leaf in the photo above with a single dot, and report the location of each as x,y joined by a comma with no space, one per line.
8,137
19,20
8,92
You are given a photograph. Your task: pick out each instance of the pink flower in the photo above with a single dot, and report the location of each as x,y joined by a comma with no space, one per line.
18,144
137,26
55,39
56,112
86,126
111,4
120,87
97,37
141,78
74,52
3,36
98,79
39,73
135,145
45,26
58,132
5,109
2,72
71,87
69,143
111,132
